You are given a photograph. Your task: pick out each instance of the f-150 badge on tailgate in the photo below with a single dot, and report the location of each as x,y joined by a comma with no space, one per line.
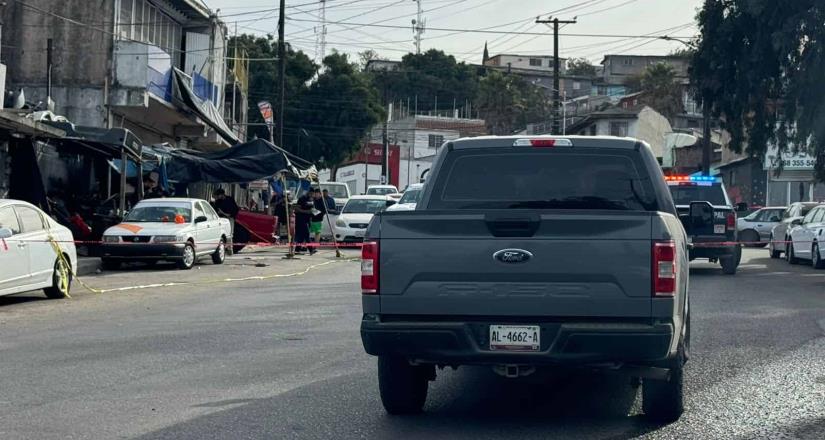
513,256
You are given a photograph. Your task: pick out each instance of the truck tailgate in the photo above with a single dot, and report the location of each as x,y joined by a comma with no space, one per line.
583,263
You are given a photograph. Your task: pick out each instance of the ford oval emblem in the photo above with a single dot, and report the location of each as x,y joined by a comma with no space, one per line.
514,256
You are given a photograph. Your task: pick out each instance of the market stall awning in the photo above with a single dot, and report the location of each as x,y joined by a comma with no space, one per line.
110,142
254,160
183,96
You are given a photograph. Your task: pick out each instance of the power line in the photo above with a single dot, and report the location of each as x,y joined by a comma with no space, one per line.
482,31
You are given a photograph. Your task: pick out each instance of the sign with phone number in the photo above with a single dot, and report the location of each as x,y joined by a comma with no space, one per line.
788,160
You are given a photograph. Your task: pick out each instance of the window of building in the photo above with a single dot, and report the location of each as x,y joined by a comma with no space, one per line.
618,128
126,18
627,61
593,130
435,140
577,85
535,62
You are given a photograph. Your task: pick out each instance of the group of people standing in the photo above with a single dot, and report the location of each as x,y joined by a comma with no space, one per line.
310,213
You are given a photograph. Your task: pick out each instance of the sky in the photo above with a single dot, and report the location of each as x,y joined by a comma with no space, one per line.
675,18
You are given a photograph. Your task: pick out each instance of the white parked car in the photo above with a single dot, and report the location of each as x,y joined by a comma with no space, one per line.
28,257
338,191
755,229
808,239
179,230
780,234
409,199
383,190
351,225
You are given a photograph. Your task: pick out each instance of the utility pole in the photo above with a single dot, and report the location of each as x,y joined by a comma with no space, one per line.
556,99
419,25
707,144
281,74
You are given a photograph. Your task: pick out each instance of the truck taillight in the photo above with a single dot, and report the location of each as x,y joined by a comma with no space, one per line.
664,268
731,221
369,268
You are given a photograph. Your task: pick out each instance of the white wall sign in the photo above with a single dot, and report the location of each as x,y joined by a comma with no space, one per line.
789,160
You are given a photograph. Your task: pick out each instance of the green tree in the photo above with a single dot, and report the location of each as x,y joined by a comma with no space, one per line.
508,103
337,112
263,80
431,76
758,66
661,91
580,67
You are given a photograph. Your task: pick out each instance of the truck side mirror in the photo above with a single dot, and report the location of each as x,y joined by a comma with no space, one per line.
701,214
796,221
742,207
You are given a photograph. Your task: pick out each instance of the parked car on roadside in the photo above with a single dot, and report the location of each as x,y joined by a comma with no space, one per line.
755,228
777,242
409,199
351,225
383,190
29,240
807,236
338,191
179,230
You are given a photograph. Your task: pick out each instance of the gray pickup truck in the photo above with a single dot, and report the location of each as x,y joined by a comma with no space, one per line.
531,252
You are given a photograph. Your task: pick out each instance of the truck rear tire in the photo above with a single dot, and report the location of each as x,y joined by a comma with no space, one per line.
403,386
663,400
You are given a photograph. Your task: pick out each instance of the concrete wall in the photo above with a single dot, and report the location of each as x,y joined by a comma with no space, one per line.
523,62
652,128
81,54
618,68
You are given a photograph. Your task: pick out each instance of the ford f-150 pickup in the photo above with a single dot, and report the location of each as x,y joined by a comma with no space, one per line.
526,253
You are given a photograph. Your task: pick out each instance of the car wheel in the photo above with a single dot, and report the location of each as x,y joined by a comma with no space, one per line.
61,280
772,249
188,258
220,254
791,255
816,258
751,238
110,264
663,400
403,387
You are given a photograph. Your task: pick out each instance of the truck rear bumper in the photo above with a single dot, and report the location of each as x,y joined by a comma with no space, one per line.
563,343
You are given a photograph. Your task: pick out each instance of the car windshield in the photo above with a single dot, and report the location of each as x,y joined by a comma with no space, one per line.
686,194
364,206
607,179
410,196
148,214
381,191
806,209
336,191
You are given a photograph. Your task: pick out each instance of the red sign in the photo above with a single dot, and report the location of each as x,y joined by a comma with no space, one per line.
374,154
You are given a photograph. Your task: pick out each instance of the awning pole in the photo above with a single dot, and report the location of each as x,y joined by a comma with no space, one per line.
291,252
140,189
123,159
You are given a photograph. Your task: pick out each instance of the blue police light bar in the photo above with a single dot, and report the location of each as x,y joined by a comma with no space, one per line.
711,179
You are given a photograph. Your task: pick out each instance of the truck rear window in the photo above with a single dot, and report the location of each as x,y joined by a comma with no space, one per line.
589,178
687,193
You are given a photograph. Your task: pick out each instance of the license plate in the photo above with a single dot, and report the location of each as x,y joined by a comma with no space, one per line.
360,233
515,337
718,229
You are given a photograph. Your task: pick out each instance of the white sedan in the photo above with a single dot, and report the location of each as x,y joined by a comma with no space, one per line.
179,230
29,240
806,237
351,225
410,198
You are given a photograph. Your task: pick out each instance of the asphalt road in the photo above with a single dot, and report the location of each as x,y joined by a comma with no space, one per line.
281,358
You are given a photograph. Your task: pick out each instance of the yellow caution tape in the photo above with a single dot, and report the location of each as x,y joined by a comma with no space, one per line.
213,281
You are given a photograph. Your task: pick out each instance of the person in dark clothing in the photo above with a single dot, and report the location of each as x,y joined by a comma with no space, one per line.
303,217
225,205
279,211
317,225
330,202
